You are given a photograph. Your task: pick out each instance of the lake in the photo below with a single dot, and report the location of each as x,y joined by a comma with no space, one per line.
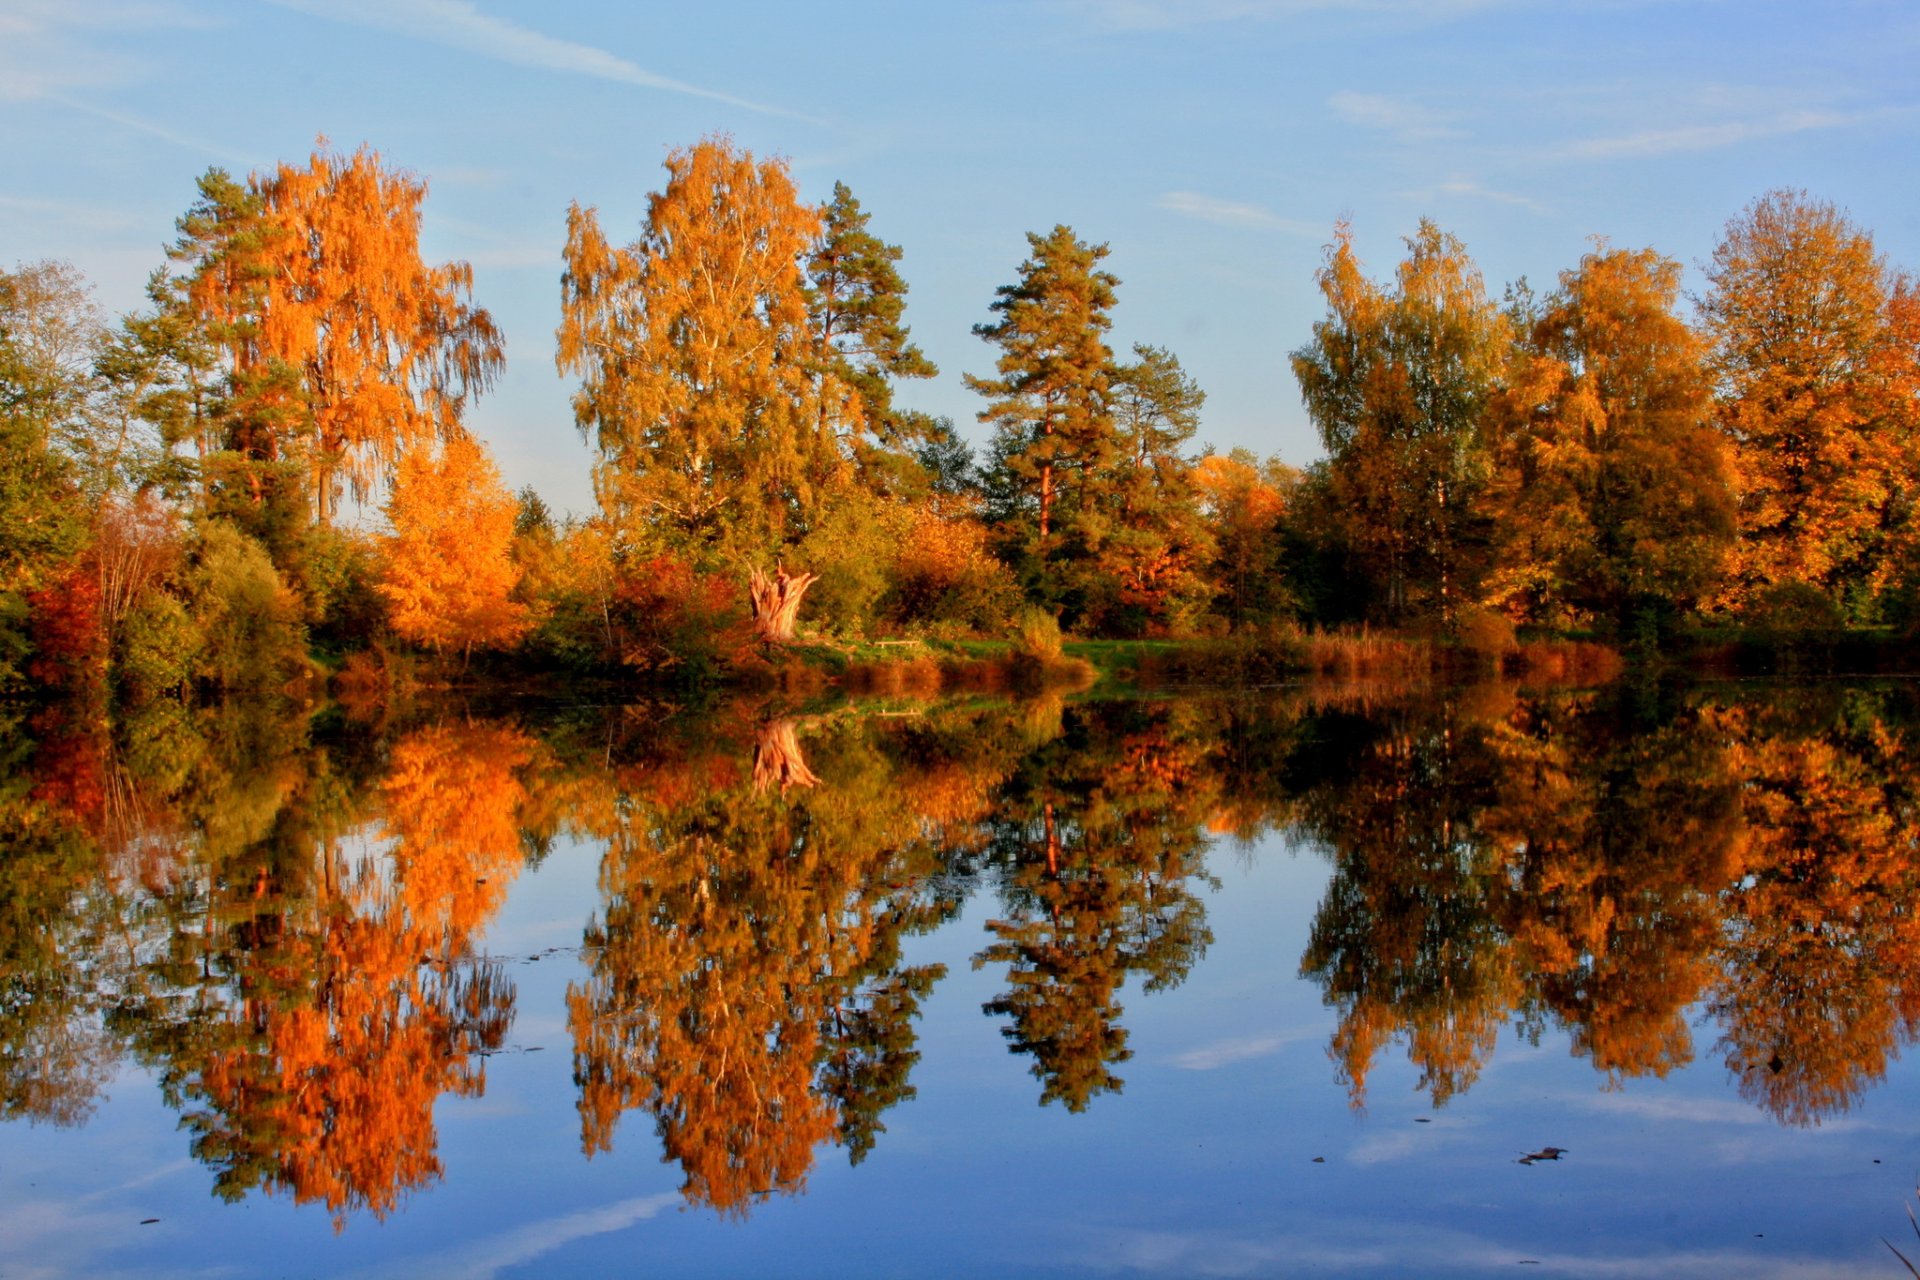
1319,980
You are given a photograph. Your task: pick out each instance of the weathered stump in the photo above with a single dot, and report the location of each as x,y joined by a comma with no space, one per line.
776,602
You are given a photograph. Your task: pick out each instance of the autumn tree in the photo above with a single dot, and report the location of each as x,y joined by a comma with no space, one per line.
450,572
388,349
1396,379
719,425
1613,491
1244,501
1819,411
1049,406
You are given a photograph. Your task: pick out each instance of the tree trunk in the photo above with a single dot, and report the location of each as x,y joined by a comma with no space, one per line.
776,603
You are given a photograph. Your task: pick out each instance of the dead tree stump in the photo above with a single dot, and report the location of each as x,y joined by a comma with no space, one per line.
776,603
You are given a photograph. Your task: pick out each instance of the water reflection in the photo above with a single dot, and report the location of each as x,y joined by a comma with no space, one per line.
280,913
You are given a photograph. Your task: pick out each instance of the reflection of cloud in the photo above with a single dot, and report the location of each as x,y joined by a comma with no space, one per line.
1391,1249
1222,1053
1712,137
1384,1146
1233,213
491,1255
458,25
1695,1110
1406,120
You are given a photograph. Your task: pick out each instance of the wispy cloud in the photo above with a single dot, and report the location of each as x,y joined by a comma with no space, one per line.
40,54
1406,120
96,217
1147,15
1473,190
459,25
139,124
1234,213
1713,137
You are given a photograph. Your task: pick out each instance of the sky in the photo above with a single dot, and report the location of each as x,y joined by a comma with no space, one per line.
1212,144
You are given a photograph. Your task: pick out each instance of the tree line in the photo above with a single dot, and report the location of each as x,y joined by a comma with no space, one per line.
1596,458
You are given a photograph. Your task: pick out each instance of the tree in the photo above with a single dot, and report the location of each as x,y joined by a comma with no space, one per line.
1049,406
704,387
1820,413
1396,381
1614,490
450,569
339,347
1244,501
45,385
857,299
1154,546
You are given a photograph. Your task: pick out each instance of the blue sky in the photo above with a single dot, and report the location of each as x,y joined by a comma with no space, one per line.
1211,143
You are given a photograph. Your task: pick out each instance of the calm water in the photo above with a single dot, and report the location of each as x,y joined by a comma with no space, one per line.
1286,984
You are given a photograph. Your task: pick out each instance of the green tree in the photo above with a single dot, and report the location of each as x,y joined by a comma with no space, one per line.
1049,406
858,300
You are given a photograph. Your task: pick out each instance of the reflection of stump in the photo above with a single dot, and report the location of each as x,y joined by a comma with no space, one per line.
777,758
776,602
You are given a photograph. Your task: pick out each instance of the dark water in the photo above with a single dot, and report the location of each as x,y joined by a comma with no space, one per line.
1287,984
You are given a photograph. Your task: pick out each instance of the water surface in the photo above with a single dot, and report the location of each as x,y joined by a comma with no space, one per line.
1360,981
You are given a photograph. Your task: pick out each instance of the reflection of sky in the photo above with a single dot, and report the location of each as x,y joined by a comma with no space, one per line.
1205,1166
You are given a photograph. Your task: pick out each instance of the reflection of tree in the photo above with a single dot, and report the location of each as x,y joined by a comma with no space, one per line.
1404,943
1617,832
747,985
1096,839
1823,944
315,1003
1579,859
54,1059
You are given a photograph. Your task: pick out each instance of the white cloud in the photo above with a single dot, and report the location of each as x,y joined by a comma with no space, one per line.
141,125
1713,137
1234,213
459,25
39,55
1406,120
1462,186
1156,14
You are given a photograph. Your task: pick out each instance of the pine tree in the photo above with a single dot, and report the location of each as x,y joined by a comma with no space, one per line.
1050,406
857,299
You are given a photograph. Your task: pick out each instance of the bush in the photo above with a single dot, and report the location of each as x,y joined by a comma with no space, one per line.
252,634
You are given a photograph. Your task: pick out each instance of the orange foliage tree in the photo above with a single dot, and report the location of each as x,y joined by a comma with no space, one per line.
450,571
342,347
1613,493
1818,402
700,366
